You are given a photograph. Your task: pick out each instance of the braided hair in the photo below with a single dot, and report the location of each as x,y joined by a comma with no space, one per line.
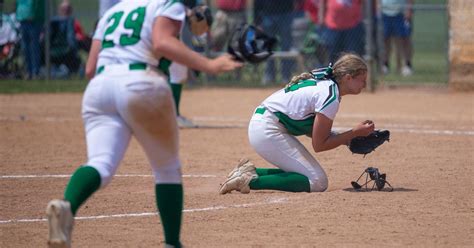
348,63
316,74
296,79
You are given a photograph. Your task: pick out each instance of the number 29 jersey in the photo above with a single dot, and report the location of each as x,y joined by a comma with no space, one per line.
125,30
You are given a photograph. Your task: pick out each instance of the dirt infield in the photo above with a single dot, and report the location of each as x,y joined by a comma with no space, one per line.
429,161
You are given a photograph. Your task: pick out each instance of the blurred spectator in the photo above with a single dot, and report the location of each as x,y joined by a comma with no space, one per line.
9,47
230,14
8,35
343,27
179,74
397,22
314,47
275,17
30,14
83,40
311,8
64,54
104,5
300,24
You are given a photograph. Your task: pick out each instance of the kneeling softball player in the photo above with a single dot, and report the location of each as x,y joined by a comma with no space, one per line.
306,106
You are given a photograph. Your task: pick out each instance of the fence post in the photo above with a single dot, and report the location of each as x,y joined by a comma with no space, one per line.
47,41
1,12
369,46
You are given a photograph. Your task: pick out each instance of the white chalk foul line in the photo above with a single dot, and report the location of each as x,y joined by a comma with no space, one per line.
402,128
278,200
68,176
418,131
235,122
433,131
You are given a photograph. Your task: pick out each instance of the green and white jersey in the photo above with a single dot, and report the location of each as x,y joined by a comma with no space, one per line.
296,106
126,30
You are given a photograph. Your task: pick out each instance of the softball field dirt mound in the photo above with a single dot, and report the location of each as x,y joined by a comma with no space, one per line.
429,161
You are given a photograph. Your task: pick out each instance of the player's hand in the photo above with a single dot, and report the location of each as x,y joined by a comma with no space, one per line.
364,128
223,63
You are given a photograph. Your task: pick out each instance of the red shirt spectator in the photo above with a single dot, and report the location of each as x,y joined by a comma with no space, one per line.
230,5
311,8
343,14
80,35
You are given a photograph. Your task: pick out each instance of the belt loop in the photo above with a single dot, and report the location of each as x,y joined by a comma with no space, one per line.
260,110
100,69
137,66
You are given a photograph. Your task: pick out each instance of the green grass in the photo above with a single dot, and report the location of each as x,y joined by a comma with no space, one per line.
428,68
430,49
430,1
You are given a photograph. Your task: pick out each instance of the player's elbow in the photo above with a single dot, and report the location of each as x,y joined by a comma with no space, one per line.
321,146
90,72
318,147
159,47
318,150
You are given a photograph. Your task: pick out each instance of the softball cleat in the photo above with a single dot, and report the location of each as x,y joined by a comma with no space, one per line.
244,165
184,122
60,222
239,182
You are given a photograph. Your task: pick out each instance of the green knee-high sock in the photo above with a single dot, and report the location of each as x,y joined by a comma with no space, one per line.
169,199
84,182
287,181
266,171
176,89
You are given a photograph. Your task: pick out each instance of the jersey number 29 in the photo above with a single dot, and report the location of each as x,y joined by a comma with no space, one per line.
133,21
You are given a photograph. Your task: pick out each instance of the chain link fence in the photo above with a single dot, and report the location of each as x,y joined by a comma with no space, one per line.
304,41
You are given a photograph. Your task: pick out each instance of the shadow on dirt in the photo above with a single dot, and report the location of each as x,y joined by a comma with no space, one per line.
383,190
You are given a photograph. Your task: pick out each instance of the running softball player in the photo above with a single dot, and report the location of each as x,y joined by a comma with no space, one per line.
306,106
126,96
178,76
179,72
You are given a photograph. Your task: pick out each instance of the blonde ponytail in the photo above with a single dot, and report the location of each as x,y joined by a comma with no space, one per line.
296,79
348,63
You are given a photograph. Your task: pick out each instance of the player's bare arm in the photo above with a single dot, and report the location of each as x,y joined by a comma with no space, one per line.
323,140
92,59
166,44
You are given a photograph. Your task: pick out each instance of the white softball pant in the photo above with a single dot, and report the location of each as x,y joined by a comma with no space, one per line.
121,102
272,142
178,73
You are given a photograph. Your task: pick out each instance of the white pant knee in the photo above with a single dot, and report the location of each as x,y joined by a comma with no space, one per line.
106,171
168,173
319,184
